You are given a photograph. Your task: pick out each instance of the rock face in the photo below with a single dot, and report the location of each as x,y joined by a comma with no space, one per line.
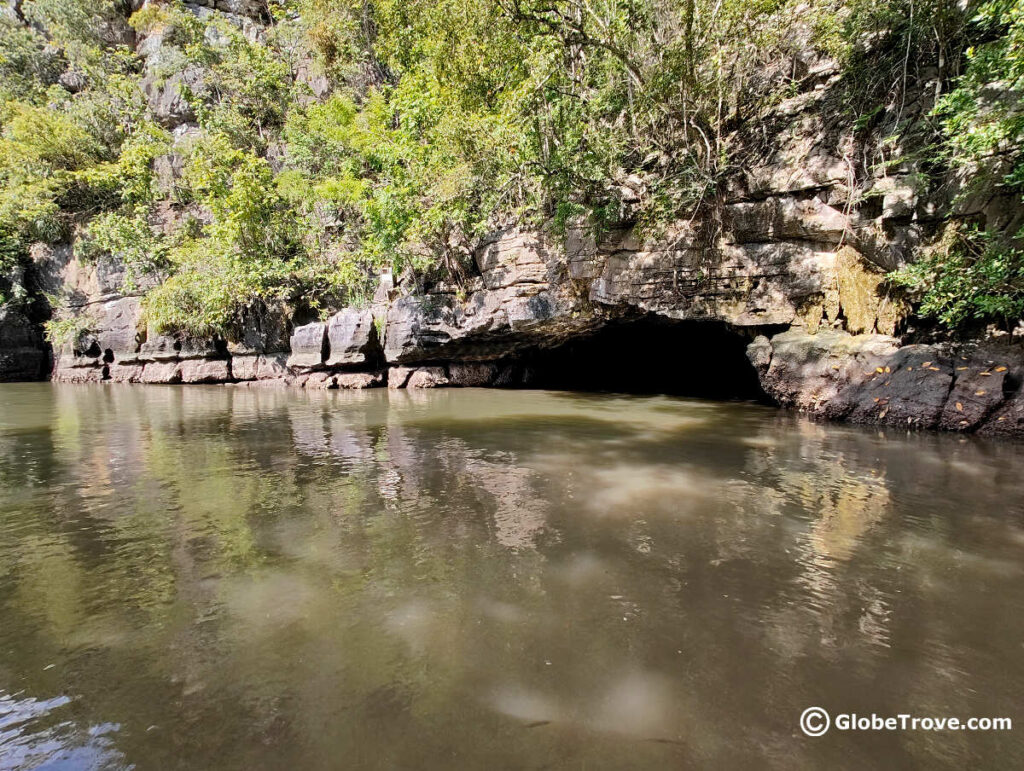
118,348
789,259
522,298
309,345
871,379
22,354
810,372
351,339
820,324
471,374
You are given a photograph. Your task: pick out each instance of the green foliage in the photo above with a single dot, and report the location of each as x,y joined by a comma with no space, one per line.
969,278
436,121
27,67
128,236
983,116
67,325
250,253
246,85
64,155
64,329
86,32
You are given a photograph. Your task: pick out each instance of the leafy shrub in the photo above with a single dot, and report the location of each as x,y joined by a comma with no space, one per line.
66,325
449,118
970,277
129,237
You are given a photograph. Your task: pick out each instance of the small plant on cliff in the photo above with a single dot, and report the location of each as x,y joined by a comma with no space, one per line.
66,324
969,278
984,115
60,331
973,277
127,235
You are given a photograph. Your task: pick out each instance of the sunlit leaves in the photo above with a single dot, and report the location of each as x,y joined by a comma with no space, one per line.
967,279
349,137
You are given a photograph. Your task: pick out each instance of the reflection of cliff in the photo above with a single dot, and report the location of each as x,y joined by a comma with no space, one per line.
842,499
449,466
415,468
815,471
326,574
848,511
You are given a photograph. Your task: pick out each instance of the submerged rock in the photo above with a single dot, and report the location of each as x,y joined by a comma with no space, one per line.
427,377
814,373
910,390
161,372
417,377
871,379
399,376
259,366
323,381
205,371
358,380
124,373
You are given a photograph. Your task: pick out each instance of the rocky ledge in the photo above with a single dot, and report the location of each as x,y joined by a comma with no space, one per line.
786,267
808,316
873,379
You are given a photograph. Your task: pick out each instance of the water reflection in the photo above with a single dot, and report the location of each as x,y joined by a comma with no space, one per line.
218,577
34,735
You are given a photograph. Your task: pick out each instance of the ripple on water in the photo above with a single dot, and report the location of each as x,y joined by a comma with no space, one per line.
492,579
35,733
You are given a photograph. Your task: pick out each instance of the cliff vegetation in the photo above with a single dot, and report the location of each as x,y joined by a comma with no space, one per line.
253,154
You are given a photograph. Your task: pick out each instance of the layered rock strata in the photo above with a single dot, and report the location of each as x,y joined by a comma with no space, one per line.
822,330
790,257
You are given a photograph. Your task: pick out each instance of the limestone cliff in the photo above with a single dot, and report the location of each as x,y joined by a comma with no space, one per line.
790,259
820,332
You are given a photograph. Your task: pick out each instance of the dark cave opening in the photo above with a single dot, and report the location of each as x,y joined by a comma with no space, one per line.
704,359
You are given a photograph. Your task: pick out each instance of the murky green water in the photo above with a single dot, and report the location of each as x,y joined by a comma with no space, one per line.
217,578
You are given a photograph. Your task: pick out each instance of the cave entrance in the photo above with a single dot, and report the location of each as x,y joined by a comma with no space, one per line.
705,359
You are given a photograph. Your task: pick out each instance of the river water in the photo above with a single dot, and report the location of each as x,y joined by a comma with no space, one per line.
222,578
